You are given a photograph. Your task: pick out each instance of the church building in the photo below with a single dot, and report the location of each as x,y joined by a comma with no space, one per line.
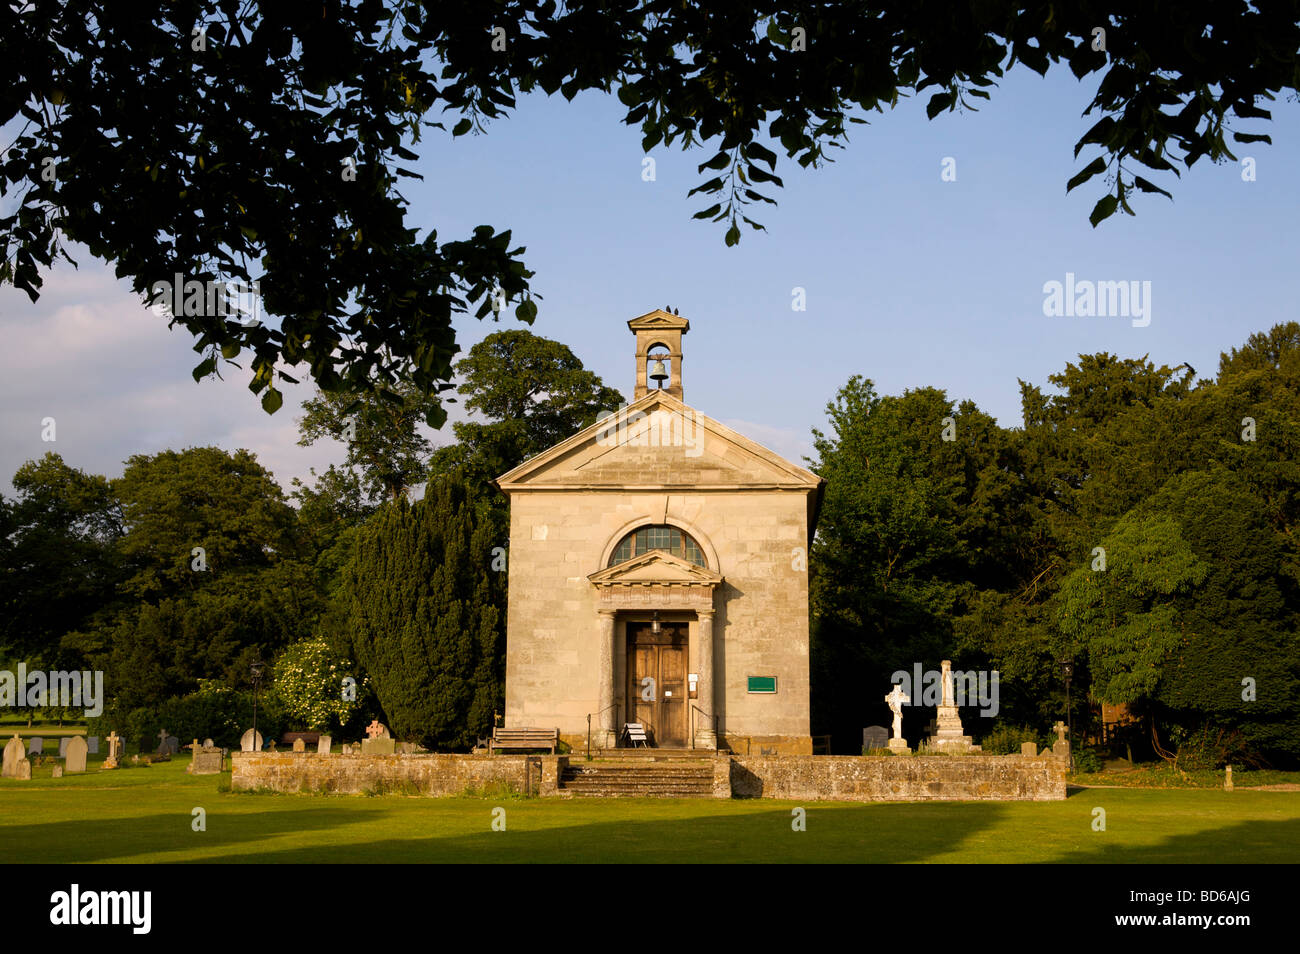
658,575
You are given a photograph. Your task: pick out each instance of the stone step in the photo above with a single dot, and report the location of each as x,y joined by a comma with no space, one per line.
638,779
649,793
704,771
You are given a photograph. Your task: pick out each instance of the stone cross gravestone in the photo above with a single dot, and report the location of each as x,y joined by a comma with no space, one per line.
14,752
115,745
896,699
323,745
1062,747
248,744
168,744
36,746
76,759
875,737
380,742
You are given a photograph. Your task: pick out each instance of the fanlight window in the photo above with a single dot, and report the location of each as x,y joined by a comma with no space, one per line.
669,539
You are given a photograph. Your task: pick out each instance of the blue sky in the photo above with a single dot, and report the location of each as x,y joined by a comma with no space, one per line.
910,280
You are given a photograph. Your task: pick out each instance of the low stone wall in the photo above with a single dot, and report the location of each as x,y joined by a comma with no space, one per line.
362,774
798,777
898,778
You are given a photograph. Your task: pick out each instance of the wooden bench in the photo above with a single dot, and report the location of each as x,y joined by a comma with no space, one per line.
524,739
308,738
634,733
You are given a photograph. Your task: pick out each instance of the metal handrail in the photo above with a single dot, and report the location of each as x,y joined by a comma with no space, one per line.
589,715
711,715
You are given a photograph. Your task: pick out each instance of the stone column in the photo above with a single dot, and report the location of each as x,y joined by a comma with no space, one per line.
705,736
604,735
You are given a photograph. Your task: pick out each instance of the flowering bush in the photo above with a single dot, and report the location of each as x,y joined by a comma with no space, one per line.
309,684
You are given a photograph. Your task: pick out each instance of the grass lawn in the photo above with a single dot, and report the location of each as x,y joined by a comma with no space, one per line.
145,815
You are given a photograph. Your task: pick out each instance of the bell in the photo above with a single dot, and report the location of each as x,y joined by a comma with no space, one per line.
659,373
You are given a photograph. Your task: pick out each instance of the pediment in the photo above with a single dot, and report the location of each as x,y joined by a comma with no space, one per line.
656,567
659,320
658,442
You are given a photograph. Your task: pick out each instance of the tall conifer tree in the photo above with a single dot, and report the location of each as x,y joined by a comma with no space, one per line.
427,614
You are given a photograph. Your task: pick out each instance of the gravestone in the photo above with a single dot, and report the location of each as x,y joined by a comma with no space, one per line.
76,758
948,735
207,760
115,745
14,751
247,743
24,770
168,745
1062,747
63,746
299,745
323,745
58,772
380,742
875,737
896,700
1030,749
36,746
92,744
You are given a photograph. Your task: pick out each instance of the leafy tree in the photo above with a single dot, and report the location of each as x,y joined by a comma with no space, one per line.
183,615
534,393
59,562
227,505
428,615
913,528
290,177
1192,602
386,453
309,685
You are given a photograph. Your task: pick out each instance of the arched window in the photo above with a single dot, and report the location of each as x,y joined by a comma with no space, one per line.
669,539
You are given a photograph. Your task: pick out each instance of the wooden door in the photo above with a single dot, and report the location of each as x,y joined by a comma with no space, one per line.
656,685
672,695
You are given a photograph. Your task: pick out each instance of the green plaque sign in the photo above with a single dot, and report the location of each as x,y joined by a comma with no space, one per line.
762,683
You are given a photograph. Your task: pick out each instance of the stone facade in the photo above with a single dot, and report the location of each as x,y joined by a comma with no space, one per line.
660,463
899,778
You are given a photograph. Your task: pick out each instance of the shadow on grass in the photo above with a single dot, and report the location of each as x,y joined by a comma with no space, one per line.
102,838
1248,842
835,833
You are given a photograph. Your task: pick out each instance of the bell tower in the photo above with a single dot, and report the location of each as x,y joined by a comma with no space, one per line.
659,352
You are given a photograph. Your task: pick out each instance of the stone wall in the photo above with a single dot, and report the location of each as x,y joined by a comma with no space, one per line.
898,778
359,774
802,777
